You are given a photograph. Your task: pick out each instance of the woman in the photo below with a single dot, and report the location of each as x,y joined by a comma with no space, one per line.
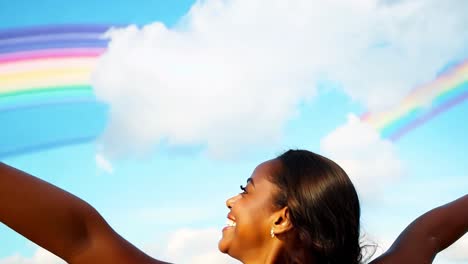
298,208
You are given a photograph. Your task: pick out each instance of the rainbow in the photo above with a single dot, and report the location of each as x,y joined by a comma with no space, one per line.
46,67
424,103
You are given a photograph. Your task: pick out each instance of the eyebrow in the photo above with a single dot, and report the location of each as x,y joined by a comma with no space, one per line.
250,180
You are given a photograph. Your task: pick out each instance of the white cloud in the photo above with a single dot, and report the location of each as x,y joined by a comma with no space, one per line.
41,256
457,252
183,246
370,161
232,72
192,246
103,164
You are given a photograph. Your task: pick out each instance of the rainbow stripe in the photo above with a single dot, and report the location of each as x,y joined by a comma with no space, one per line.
48,58
47,66
422,104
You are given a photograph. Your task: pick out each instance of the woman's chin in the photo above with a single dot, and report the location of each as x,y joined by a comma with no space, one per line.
226,239
223,245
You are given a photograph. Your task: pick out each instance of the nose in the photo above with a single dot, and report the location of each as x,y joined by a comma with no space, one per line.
231,201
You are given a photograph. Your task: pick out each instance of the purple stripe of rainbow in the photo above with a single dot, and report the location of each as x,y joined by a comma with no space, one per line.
73,43
25,39
52,29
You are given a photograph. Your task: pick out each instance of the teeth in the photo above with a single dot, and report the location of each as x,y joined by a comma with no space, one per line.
229,222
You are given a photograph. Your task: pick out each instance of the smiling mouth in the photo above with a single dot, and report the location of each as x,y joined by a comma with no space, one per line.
230,223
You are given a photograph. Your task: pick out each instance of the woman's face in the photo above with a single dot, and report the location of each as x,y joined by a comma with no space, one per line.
250,218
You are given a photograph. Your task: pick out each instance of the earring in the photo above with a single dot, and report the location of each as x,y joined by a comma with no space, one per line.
272,232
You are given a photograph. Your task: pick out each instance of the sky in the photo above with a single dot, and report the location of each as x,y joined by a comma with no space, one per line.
188,97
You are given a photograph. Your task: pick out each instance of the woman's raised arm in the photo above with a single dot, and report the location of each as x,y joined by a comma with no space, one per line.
61,222
429,234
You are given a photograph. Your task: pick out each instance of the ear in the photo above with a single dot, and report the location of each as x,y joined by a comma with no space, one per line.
282,221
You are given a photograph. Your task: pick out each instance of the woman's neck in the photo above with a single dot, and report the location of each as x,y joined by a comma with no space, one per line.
271,254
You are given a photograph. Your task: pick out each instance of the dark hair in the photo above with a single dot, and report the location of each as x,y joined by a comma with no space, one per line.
323,209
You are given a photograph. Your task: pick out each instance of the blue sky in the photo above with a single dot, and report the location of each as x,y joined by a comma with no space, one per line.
176,188
24,13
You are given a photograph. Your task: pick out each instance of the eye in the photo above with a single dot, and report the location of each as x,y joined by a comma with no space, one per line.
244,190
